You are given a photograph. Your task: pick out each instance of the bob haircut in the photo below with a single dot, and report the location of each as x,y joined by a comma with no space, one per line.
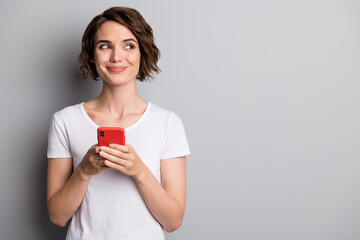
132,19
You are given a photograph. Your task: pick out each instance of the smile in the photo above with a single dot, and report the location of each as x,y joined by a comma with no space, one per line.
116,69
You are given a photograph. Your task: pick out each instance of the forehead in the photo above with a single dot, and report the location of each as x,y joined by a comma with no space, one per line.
113,31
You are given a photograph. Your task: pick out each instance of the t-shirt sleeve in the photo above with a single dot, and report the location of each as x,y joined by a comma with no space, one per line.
175,143
58,141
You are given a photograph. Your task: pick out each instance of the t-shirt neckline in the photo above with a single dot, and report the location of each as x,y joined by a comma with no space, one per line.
126,129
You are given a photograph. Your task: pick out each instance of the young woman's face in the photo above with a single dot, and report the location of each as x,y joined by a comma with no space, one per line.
117,53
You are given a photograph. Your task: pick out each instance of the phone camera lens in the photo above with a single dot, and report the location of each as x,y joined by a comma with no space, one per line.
101,133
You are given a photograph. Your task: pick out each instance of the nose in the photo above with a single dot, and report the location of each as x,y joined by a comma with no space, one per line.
116,56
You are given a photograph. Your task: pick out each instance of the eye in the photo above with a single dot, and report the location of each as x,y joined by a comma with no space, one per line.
104,46
129,46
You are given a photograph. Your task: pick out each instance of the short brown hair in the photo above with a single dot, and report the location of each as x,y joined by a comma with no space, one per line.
133,20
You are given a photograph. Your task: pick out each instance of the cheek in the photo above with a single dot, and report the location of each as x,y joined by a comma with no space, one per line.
135,59
101,58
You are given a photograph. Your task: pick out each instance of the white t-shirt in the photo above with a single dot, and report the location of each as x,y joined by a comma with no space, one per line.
112,207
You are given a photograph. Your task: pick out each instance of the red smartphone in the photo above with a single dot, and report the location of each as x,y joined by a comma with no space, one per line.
107,135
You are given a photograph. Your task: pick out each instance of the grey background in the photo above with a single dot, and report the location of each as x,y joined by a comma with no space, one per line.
268,92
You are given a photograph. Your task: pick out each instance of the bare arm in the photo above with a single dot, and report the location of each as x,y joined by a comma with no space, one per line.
166,202
66,188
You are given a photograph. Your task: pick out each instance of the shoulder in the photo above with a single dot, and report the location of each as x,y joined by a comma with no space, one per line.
162,113
66,113
165,118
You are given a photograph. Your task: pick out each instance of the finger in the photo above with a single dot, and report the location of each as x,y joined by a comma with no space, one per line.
111,164
112,158
114,152
129,147
123,148
95,149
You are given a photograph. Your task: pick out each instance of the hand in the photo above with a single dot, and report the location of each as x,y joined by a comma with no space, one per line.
124,159
92,163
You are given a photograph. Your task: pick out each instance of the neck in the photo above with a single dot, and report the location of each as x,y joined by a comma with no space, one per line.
119,100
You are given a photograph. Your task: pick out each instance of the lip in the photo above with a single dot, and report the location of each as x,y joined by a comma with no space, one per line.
116,69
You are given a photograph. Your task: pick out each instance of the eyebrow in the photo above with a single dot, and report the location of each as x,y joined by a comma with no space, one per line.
125,40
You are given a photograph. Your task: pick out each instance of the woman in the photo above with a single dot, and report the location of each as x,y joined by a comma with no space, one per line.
131,191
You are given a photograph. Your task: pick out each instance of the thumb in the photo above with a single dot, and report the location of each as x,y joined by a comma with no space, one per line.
95,148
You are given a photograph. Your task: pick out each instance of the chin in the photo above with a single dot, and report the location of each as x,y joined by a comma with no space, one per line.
118,80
